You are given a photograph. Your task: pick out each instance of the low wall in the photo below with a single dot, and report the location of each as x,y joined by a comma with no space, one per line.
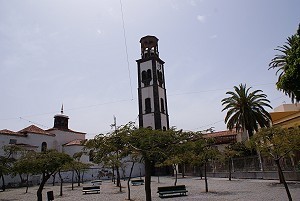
288,175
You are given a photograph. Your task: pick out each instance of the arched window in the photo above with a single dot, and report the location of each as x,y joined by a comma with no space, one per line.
44,146
147,105
146,77
162,105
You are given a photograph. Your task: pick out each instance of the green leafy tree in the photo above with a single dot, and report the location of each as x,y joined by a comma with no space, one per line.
288,64
7,160
47,163
111,149
228,153
154,146
203,152
24,166
246,109
277,142
179,153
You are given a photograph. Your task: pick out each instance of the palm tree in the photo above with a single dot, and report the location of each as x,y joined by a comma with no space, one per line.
288,64
246,109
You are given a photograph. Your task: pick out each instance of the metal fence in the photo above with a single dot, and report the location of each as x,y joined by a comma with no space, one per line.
243,164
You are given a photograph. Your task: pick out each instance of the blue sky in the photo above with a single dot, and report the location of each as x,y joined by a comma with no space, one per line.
73,52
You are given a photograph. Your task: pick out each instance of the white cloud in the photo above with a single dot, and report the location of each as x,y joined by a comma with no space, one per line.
99,31
201,18
213,36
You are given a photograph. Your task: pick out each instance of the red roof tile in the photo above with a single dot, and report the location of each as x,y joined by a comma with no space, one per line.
36,130
74,142
221,133
67,130
9,132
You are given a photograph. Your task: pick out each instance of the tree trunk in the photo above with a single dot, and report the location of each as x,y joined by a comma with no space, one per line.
72,179
183,170
229,169
148,179
82,176
113,174
27,183
41,187
53,182
78,177
284,182
174,166
201,172
118,179
61,183
128,182
205,177
3,182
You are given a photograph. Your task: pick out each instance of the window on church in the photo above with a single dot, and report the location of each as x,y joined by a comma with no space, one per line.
164,128
44,146
12,141
147,105
149,74
146,77
162,105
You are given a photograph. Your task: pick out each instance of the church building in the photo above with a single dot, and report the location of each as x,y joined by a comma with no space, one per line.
152,96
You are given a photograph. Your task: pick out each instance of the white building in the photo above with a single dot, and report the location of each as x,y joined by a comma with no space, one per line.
61,138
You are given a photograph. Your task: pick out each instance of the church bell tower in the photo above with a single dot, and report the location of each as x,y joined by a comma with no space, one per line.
153,110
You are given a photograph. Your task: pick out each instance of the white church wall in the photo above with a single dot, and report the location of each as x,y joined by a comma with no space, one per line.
71,150
148,120
5,139
38,139
63,137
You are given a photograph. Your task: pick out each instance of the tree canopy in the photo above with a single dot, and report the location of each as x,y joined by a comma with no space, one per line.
288,64
246,109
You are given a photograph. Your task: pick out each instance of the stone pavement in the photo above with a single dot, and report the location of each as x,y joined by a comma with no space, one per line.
219,189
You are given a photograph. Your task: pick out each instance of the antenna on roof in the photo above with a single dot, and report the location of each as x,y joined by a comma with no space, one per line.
62,108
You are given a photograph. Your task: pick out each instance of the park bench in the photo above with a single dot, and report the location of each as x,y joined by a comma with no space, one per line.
136,182
91,189
96,182
179,190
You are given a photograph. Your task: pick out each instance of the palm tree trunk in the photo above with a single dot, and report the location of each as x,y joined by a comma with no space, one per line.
284,182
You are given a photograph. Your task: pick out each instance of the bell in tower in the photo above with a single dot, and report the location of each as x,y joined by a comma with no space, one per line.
153,110
149,46
61,121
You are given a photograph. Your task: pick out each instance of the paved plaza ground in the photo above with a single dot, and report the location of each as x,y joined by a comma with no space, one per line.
219,189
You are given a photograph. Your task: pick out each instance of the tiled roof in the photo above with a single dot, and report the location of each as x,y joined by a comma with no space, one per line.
9,132
36,130
67,130
74,142
221,133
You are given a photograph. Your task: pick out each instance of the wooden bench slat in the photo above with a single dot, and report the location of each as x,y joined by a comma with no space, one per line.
87,189
169,190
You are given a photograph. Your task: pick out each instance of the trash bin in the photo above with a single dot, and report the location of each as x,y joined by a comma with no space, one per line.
50,195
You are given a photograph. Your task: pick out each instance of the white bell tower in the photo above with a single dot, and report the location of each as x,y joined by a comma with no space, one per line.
153,110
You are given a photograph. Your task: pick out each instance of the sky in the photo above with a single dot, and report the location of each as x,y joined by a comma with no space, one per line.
82,54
